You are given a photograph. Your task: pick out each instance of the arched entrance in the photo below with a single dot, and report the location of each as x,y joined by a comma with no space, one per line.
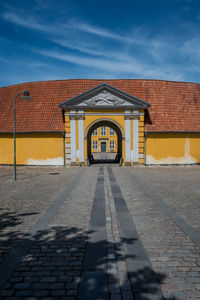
108,123
104,105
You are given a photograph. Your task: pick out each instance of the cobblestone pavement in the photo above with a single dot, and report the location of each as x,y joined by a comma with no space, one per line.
22,202
179,187
74,200
171,252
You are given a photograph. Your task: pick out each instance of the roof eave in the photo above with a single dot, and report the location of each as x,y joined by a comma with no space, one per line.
65,106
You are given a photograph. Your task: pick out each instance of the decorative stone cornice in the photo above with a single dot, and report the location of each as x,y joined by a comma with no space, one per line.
81,116
77,116
72,116
131,116
105,98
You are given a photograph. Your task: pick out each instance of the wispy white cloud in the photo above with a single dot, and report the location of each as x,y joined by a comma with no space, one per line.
135,36
132,67
98,31
191,47
137,54
92,49
28,22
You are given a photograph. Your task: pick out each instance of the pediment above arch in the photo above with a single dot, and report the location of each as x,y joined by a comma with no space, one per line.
104,96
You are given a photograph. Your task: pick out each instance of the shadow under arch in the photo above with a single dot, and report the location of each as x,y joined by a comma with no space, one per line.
109,123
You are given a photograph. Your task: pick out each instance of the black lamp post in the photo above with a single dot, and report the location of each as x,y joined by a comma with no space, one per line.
25,97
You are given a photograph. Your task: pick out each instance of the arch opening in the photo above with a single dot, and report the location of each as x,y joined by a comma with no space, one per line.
104,142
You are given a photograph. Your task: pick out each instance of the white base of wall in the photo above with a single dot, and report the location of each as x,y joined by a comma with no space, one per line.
170,160
58,161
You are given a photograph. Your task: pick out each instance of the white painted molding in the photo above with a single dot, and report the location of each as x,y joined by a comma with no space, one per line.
131,155
81,136
127,137
103,114
73,136
135,138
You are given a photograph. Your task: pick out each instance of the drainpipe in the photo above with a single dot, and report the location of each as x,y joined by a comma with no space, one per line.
145,136
64,158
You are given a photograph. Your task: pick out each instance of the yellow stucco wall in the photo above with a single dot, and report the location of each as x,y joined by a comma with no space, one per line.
32,149
173,148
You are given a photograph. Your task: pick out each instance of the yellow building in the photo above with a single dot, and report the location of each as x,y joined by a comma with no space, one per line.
69,121
104,139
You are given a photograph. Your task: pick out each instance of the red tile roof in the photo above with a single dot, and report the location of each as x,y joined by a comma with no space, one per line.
175,106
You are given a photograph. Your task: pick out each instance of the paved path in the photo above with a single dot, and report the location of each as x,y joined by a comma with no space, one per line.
102,232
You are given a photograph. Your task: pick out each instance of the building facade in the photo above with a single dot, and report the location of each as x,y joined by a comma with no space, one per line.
142,121
104,139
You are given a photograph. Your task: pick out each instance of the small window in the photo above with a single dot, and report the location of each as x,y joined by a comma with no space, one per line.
95,132
112,132
94,145
112,145
103,130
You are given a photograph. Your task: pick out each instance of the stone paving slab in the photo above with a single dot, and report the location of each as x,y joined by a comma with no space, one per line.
172,254
23,202
178,186
54,266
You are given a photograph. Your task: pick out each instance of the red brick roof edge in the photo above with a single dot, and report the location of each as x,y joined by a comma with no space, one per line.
175,106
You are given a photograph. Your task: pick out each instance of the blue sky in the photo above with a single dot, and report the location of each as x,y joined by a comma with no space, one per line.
61,39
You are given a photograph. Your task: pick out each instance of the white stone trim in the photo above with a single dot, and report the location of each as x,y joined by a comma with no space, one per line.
81,137
141,155
104,114
131,155
135,138
73,136
127,138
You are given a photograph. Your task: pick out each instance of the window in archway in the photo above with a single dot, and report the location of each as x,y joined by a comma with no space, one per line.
103,130
112,145
95,132
94,145
112,132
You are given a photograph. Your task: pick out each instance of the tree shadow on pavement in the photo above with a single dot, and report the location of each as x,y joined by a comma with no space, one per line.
53,269
10,236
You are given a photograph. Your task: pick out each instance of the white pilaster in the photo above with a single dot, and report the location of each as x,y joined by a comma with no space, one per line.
127,137
81,136
136,136
73,136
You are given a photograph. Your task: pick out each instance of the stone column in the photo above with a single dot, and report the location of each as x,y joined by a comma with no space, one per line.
127,137
72,117
136,117
81,136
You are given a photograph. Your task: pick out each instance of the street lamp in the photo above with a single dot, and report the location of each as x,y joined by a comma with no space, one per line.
25,97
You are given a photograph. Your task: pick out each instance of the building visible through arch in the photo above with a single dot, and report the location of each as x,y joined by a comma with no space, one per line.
111,124
156,121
